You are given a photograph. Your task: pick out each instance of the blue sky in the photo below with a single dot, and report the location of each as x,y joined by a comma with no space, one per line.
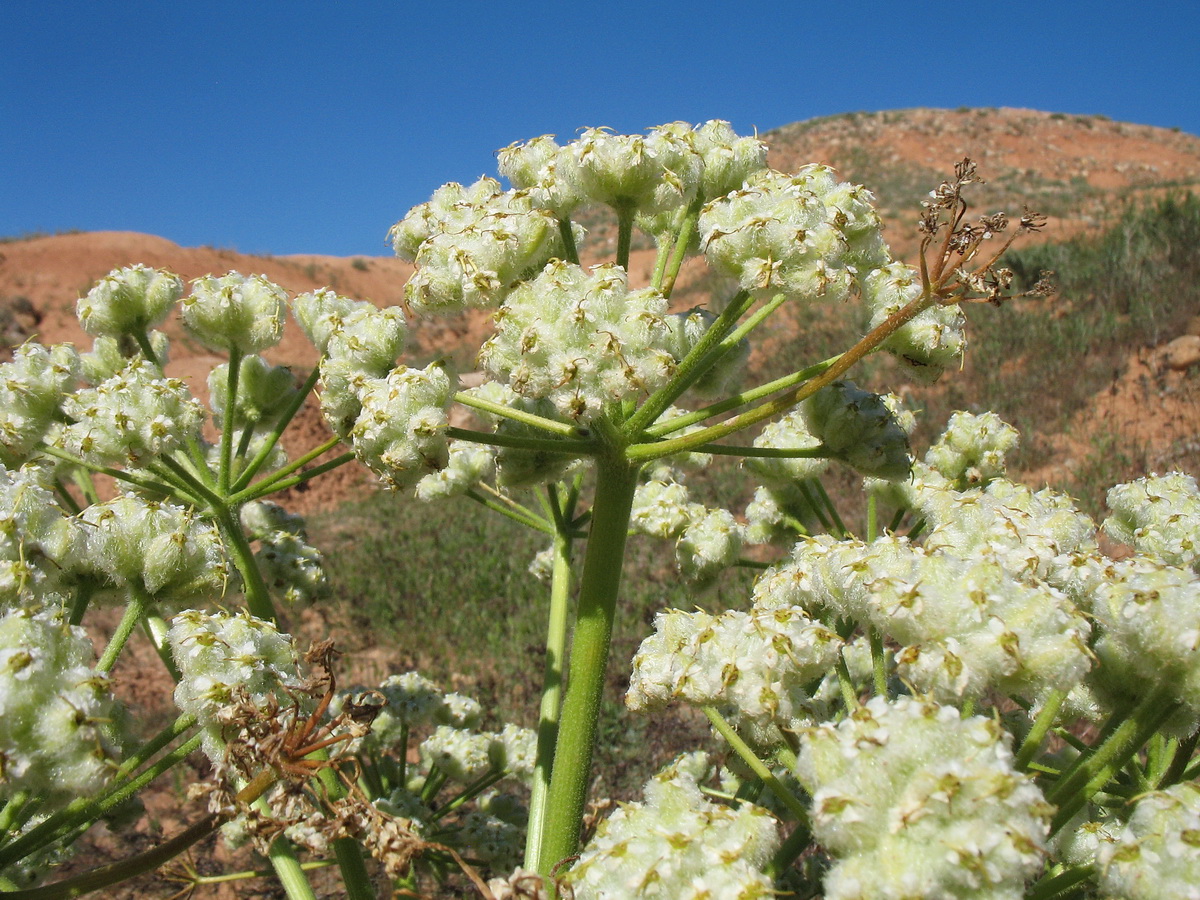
308,127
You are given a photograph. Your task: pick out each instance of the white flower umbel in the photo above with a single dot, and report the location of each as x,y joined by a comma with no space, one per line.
32,388
972,449
109,355
472,244
710,543
677,844
469,464
220,652
533,167
38,544
754,666
129,301
156,546
1158,854
58,719
859,428
581,340
788,432
130,419
914,801
292,568
649,174
413,701
359,335
662,506
929,342
234,312
400,433
801,235
1158,516
462,755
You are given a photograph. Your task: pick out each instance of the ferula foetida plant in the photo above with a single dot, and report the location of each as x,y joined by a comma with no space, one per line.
955,694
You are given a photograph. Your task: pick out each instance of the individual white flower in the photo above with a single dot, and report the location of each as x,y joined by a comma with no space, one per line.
130,419
1158,516
220,653
235,312
929,342
59,722
32,388
678,844
581,340
129,301
1157,855
913,800
756,666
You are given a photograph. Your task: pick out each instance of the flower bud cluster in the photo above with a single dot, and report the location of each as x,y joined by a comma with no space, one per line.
131,418
581,340
971,451
235,312
678,844
805,235
652,174
361,336
263,392
1158,853
862,429
59,731
468,465
915,801
465,756
1158,516
156,546
472,244
754,665
929,342
1150,620
128,301
219,653
37,543
32,388
412,701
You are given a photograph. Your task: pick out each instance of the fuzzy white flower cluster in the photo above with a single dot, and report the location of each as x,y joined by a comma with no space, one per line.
581,340
756,666
472,244
38,544
357,334
928,343
168,551
263,392
59,723
290,566
412,701
804,235
32,388
971,451
128,301
235,312
1159,516
130,419
1150,620
465,756
677,844
1158,853
467,466
218,653
915,801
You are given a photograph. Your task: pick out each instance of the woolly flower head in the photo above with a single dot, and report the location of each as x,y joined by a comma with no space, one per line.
109,355
235,312
58,718
915,801
37,542
131,418
472,245
466,756
129,301
359,335
678,844
412,701
468,465
32,388
650,174
1150,633
535,166
157,547
1158,853
805,235
581,340
400,432
789,432
220,652
929,342
1158,516
710,543
754,665
662,506
971,451
860,428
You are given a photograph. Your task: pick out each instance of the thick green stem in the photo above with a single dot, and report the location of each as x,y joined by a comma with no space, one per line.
135,610
258,598
552,678
224,478
624,235
1041,727
615,485
756,765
